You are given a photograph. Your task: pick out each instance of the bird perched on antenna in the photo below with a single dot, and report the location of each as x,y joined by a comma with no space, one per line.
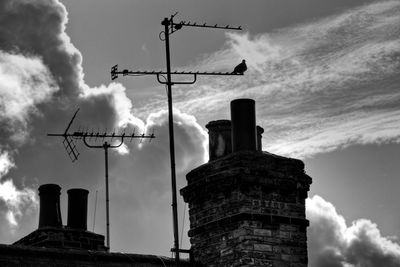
241,68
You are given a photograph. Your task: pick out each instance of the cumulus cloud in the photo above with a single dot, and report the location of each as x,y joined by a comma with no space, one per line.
38,28
5,163
17,201
332,243
34,32
318,86
24,83
41,84
141,183
186,125
121,104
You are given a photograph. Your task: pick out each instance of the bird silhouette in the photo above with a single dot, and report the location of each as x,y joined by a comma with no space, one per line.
241,68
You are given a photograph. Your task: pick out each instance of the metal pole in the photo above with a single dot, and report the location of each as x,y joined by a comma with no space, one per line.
106,146
95,209
166,24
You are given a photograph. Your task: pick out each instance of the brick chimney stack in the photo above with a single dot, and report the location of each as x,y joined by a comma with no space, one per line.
246,206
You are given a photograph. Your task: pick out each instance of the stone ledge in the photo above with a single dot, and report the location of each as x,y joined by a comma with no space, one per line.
249,159
267,218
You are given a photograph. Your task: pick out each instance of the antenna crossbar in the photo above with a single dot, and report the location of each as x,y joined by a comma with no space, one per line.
177,26
125,72
79,135
106,135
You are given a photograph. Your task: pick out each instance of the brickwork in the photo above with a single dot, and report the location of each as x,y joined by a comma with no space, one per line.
62,237
248,209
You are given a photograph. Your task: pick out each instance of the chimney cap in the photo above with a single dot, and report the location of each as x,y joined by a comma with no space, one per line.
77,191
218,123
243,100
49,188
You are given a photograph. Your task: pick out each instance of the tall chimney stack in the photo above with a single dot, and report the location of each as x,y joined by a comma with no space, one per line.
50,214
77,208
243,116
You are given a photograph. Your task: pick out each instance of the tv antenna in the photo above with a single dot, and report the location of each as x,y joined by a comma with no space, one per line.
87,137
169,28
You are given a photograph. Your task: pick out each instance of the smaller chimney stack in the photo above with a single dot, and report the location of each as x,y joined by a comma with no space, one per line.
49,214
243,117
77,208
219,134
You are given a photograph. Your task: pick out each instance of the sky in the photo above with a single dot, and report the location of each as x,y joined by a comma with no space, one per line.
324,75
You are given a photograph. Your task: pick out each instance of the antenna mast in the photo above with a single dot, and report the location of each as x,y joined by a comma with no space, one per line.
94,214
70,147
169,28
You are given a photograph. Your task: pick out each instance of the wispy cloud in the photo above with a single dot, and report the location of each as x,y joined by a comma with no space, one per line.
334,244
319,86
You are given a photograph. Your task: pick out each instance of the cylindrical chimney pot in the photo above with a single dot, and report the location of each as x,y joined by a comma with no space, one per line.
243,117
49,214
77,208
219,138
260,131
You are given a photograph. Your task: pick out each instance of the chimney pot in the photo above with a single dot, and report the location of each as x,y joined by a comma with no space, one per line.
243,116
219,136
49,214
77,208
260,131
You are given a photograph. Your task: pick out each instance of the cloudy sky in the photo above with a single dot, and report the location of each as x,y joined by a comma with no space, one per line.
324,74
